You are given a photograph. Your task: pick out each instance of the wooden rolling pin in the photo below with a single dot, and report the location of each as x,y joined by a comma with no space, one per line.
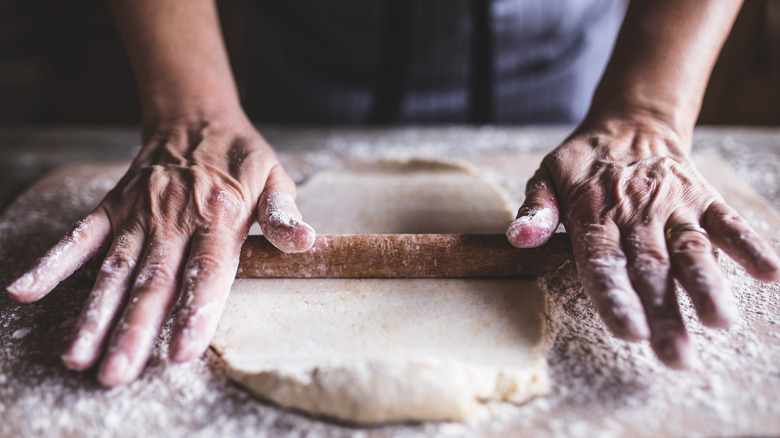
408,256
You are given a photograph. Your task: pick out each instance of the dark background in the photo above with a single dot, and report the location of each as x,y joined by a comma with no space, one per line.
61,62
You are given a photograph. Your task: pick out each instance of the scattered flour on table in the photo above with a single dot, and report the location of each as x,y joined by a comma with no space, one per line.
758,167
733,389
19,334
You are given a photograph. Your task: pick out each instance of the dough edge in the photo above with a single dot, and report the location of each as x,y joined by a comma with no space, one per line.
382,391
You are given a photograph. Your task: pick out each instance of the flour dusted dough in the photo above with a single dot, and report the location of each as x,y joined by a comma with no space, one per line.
378,350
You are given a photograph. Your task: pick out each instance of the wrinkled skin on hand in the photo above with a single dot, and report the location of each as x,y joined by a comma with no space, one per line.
617,186
173,228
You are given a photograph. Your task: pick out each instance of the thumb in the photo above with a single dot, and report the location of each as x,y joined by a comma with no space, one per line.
279,217
538,217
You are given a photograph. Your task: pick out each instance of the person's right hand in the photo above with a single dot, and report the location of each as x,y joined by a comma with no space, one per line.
173,227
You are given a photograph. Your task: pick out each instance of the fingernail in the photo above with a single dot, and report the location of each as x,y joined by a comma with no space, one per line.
185,351
181,345
194,330
298,236
634,328
729,314
715,315
532,228
770,267
305,236
22,285
674,351
115,370
81,355
718,309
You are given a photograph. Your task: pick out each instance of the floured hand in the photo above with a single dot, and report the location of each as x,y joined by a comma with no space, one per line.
618,187
173,228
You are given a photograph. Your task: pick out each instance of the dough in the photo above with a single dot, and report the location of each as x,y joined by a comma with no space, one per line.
379,350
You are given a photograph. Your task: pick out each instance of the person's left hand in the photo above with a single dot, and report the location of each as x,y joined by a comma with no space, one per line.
636,210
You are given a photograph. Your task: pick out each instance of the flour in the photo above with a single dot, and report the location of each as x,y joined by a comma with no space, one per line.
282,226
533,227
584,354
19,334
601,386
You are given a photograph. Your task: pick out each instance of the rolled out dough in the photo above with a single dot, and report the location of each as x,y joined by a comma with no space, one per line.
374,350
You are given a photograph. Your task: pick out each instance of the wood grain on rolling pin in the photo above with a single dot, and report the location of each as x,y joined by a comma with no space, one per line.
408,256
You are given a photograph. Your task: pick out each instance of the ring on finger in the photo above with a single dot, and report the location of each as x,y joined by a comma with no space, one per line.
675,230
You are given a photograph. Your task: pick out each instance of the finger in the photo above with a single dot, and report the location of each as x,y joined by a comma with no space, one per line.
208,275
602,267
88,237
650,272
152,297
279,217
694,265
104,302
538,217
729,231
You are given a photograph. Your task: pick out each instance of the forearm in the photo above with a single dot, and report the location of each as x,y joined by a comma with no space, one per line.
178,56
662,60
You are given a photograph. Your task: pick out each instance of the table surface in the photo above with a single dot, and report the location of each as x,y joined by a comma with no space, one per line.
603,385
30,152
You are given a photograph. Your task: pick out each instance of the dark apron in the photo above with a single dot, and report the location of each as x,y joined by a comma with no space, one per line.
428,61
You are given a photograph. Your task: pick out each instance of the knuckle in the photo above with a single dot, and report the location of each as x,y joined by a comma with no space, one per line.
651,260
591,200
690,243
733,219
599,237
227,219
601,253
79,230
643,188
154,274
225,200
117,265
277,171
203,264
248,151
605,258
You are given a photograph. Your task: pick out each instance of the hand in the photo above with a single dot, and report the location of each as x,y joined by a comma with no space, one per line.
173,227
620,185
